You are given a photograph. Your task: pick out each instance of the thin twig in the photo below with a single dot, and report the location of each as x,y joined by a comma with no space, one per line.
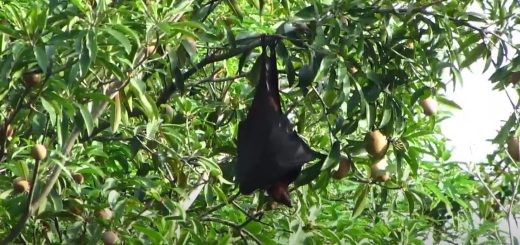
217,207
233,225
222,79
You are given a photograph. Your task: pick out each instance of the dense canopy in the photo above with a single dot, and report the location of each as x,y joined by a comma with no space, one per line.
119,121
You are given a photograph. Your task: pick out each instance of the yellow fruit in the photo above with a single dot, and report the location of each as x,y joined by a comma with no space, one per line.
515,77
343,169
78,178
376,143
104,213
110,238
32,79
513,147
39,152
21,185
429,106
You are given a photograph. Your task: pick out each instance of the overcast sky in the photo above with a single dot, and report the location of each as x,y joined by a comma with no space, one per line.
484,111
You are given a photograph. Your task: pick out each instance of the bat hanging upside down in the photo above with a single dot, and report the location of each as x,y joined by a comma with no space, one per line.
270,152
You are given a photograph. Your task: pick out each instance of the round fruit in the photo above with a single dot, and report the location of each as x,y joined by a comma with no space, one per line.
343,169
515,77
513,147
429,106
379,168
39,152
75,206
384,178
104,213
110,238
376,143
378,171
78,178
21,185
32,79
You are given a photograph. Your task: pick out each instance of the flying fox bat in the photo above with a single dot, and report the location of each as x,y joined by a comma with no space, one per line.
270,152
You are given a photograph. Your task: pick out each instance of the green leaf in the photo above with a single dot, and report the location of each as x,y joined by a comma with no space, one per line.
233,5
324,68
41,57
129,32
50,109
309,174
9,31
87,118
361,201
457,78
115,117
333,157
122,39
305,76
111,67
254,74
410,198
154,236
91,44
298,237
448,103
473,55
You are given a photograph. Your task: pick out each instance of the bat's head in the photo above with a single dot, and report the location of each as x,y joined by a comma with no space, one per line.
279,192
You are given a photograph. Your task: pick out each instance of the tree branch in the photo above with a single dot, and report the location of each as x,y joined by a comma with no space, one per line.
234,226
170,88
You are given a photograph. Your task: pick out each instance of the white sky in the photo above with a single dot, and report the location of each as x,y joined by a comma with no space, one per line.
484,111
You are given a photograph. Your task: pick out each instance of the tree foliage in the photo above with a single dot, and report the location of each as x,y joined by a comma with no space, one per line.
138,105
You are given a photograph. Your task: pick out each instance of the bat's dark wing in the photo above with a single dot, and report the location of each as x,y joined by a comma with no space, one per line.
269,151
289,149
251,172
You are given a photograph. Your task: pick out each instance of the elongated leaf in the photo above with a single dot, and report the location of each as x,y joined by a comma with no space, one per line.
41,57
361,201
233,5
410,198
449,103
333,157
50,109
115,119
473,55
87,118
309,174
121,38
91,44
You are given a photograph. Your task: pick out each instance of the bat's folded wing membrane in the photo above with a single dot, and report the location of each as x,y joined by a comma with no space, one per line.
289,149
